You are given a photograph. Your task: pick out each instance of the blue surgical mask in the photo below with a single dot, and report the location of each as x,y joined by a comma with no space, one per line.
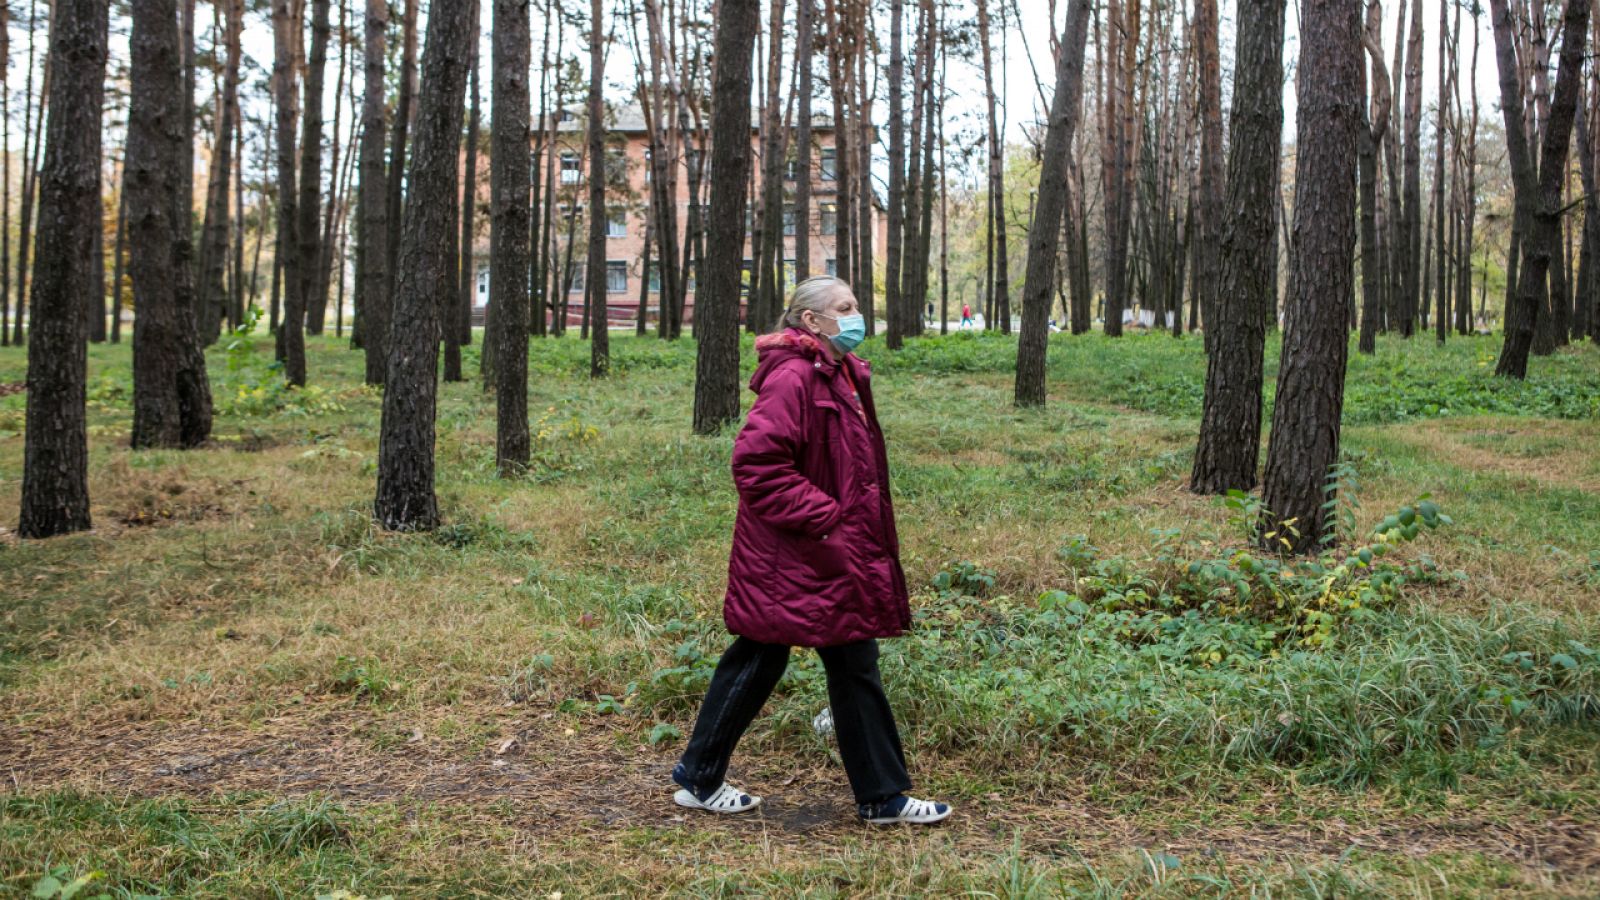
852,331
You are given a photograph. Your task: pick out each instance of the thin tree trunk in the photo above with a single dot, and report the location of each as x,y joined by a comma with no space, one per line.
1537,199
802,140
599,335
55,477
171,397
212,299
405,497
1235,335
716,390
374,232
402,130
1310,398
469,197
1043,236
1371,138
509,212
31,138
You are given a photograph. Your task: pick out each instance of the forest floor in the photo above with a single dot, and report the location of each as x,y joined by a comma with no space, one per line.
236,686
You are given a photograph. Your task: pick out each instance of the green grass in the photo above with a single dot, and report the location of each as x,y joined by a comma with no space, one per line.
237,600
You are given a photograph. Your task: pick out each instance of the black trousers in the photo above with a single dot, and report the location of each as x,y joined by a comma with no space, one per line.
869,745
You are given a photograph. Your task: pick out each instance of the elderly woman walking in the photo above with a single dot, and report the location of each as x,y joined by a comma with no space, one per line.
815,562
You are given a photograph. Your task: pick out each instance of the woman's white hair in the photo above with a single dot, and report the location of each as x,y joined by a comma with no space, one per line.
813,294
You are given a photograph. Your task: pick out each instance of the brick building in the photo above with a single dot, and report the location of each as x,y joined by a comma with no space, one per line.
628,173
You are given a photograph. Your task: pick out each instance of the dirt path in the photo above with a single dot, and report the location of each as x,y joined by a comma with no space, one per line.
551,776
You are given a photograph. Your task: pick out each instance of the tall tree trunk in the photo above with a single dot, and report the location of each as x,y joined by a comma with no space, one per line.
1441,323
291,340
212,298
171,397
309,228
460,246
599,335
1411,226
802,139
183,246
1537,197
32,115
403,115
374,203
893,304
55,470
716,386
509,230
469,196
1371,138
405,499
1044,234
1310,399
118,257
1208,256
5,175
1235,335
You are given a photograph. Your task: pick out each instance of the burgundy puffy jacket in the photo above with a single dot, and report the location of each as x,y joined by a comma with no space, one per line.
815,559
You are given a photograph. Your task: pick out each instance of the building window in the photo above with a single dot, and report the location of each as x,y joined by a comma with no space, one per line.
829,213
616,223
788,220
788,272
616,276
828,164
688,278
746,268
647,165
791,167
571,168
575,280
653,279
483,286
831,266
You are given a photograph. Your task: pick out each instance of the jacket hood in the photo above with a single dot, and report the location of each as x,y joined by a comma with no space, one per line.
773,350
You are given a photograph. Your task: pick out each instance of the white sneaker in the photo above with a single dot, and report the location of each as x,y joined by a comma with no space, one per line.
906,811
823,723
725,799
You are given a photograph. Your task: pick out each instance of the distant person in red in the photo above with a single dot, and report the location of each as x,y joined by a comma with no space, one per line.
966,315
815,562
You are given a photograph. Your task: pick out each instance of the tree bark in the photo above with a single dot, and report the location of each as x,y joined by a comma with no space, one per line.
405,498
374,230
469,195
509,213
309,227
1044,234
802,139
1375,124
716,388
1411,229
403,115
1212,227
171,397
894,306
1235,335
212,298
1306,417
1537,196
599,336
55,479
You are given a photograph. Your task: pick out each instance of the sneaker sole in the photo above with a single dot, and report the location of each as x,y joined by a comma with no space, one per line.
690,801
930,819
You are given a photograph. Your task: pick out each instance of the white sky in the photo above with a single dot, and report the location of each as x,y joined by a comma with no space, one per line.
1020,97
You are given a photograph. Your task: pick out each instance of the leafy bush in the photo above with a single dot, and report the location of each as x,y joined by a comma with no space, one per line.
1238,655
